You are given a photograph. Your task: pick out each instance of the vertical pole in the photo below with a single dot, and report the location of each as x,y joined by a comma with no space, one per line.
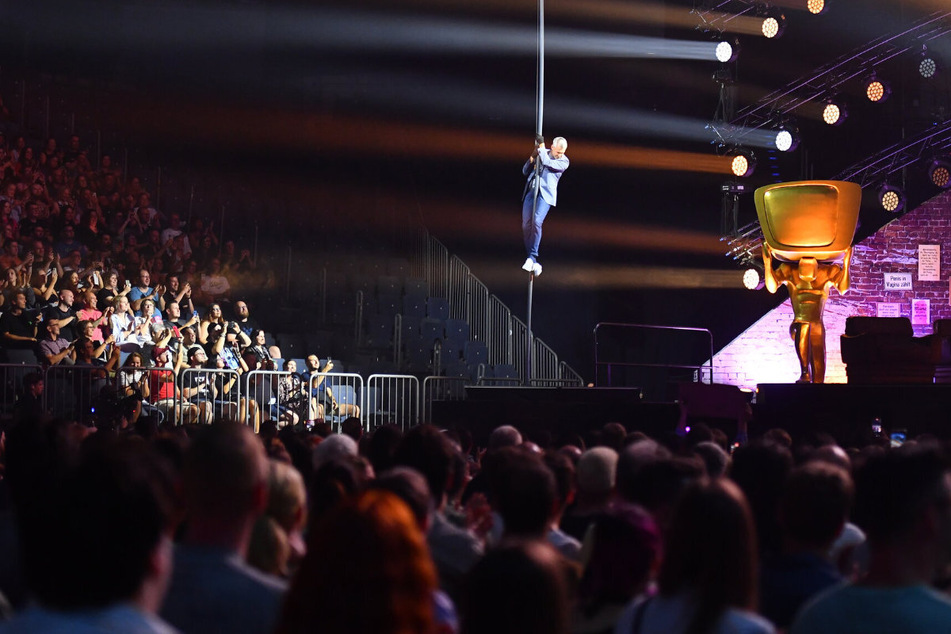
539,117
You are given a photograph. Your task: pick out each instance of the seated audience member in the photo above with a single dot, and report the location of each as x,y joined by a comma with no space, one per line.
142,290
18,331
903,502
595,478
63,314
653,482
760,470
624,551
54,350
90,313
563,469
519,588
111,290
342,587
277,542
716,461
99,579
454,550
323,403
179,293
224,480
707,580
243,317
813,509
523,493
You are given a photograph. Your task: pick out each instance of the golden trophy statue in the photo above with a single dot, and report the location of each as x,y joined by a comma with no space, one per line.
807,227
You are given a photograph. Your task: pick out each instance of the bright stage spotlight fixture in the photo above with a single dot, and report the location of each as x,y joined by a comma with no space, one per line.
891,198
743,163
927,66
816,7
834,112
774,25
877,90
727,51
787,138
752,280
940,173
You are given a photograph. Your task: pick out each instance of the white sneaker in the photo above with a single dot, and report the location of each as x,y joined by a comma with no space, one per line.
529,265
537,270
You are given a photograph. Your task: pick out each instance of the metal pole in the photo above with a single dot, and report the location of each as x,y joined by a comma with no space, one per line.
539,117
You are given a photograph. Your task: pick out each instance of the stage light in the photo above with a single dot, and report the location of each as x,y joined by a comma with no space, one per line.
834,112
743,163
787,138
816,7
727,52
752,279
877,90
927,66
774,25
940,173
891,198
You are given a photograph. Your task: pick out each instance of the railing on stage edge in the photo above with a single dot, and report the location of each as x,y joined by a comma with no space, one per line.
699,369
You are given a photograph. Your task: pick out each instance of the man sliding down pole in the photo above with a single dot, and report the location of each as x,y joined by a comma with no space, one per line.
540,194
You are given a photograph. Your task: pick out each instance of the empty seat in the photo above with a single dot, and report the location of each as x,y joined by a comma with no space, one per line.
415,287
414,306
437,308
379,332
475,352
431,329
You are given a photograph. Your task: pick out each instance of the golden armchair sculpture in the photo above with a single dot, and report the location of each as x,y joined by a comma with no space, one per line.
808,226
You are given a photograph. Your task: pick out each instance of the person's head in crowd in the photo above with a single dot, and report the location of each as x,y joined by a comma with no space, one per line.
903,503
147,308
367,569
595,476
659,483
90,300
197,357
225,483
189,337
832,454
504,436
815,505
214,313
335,447
778,436
523,493
563,470
710,553
760,470
277,542
290,366
382,448
517,588
241,310
625,550
612,435
174,311
409,485
88,564
333,482
715,460
427,450
121,304
66,298
352,427
258,337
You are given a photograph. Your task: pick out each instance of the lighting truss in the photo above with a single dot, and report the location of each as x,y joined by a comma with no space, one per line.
933,140
828,80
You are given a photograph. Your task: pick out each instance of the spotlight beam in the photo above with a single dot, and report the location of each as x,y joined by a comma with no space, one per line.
194,28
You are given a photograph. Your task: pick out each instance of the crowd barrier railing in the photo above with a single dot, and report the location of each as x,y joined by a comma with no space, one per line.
336,396
392,399
11,384
441,388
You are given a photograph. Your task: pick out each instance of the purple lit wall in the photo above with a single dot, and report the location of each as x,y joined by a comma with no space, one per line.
764,352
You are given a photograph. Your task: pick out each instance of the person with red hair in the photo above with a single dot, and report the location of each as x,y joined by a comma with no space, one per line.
367,571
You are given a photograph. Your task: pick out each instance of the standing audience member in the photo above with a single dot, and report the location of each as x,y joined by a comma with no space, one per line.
903,502
595,478
707,580
213,589
367,571
813,509
86,576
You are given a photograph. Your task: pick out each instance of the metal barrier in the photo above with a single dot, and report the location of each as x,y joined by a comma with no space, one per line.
11,384
74,392
544,362
392,399
273,395
441,388
498,339
651,357
344,400
215,393
156,388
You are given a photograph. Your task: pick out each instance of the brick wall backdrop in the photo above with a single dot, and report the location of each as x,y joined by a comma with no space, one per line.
764,352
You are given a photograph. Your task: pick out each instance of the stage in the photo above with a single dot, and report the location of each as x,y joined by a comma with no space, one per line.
844,411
